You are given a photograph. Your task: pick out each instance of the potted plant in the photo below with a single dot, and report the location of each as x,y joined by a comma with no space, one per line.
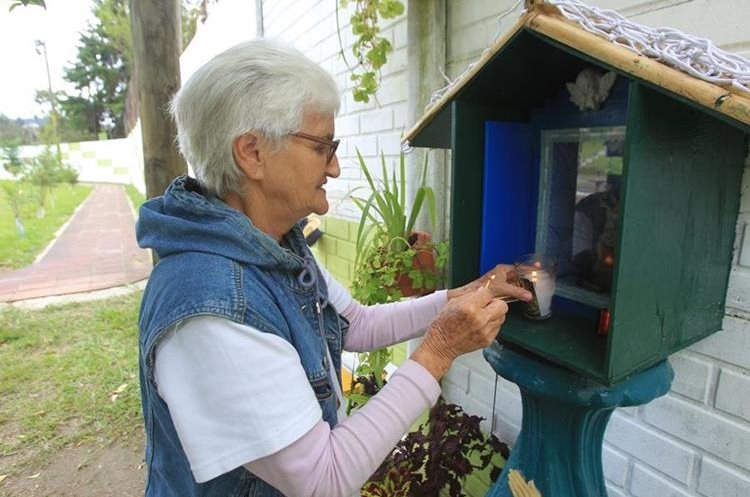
393,259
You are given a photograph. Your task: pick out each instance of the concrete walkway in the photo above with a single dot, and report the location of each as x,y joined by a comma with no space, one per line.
96,250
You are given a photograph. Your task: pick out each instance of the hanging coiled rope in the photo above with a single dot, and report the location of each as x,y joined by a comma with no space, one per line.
696,56
693,55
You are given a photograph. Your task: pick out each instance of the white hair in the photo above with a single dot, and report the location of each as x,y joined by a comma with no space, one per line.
261,86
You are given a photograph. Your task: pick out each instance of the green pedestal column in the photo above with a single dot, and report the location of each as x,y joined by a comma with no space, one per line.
564,418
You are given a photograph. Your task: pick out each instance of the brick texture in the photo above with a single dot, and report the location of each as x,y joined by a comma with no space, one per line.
615,465
718,480
714,433
650,446
733,394
731,344
693,376
648,483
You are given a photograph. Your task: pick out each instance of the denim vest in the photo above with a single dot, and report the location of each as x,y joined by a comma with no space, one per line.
214,262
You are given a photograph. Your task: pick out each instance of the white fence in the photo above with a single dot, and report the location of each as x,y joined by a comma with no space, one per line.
105,161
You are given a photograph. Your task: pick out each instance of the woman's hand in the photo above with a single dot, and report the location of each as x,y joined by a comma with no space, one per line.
501,281
467,323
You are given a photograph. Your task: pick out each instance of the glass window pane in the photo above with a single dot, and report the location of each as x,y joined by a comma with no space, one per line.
579,208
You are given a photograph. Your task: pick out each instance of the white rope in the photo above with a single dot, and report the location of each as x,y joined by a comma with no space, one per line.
696,56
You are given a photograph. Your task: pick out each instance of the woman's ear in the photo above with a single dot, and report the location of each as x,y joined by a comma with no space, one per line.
248,152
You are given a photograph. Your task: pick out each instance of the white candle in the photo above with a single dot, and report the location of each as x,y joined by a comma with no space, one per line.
536,273
544,287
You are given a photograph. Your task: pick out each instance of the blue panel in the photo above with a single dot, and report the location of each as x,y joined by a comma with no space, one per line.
509,194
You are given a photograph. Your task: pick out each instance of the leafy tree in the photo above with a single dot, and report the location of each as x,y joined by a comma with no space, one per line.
192,12
11,158
44,173
101,73
19,3
14,194
16,131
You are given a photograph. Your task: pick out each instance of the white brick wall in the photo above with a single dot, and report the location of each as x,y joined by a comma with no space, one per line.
718,480
632,437
375,127
733,394
616,466
647,483
695,442
104,161
693,376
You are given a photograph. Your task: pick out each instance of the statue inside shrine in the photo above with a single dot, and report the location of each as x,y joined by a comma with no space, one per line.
595,235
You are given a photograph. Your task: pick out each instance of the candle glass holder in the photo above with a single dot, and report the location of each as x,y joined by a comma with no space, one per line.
536,273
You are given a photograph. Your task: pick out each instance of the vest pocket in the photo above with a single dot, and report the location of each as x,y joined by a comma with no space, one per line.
322,387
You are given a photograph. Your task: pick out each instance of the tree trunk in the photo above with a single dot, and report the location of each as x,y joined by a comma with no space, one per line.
155,26
132,104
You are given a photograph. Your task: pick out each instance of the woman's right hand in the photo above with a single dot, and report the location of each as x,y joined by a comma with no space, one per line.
467,323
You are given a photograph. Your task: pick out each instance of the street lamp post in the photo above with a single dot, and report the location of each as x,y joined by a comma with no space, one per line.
41,49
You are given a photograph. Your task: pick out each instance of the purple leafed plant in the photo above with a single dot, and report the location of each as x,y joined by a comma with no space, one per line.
437,456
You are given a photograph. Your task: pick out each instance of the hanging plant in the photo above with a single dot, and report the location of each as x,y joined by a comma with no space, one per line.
370,49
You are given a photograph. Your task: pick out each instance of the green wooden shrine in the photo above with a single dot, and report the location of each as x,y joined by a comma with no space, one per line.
682,148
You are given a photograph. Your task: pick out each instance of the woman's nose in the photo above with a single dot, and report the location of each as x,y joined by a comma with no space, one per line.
333,169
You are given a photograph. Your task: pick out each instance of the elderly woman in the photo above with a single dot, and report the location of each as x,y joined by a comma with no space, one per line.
241,332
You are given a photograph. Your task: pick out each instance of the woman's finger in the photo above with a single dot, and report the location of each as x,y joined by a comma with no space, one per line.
514,291
496,307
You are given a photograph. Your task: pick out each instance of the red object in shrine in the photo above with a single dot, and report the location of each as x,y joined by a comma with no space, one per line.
604,319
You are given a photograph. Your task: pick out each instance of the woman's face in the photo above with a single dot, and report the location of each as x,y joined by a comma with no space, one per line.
296,174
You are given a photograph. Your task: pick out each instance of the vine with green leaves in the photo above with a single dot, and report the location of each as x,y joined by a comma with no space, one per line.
370,48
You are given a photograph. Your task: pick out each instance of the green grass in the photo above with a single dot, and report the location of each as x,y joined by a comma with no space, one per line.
136,197
61,367
18,252
601,165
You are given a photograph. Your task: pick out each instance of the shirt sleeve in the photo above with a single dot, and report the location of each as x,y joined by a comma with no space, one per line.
235,393
376,326
336,462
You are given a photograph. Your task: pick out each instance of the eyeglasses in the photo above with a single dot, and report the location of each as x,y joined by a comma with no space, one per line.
332,144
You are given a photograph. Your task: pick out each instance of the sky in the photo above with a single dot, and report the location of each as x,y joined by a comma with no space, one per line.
22,70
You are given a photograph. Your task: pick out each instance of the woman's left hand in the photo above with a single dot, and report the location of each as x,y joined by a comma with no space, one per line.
500,280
